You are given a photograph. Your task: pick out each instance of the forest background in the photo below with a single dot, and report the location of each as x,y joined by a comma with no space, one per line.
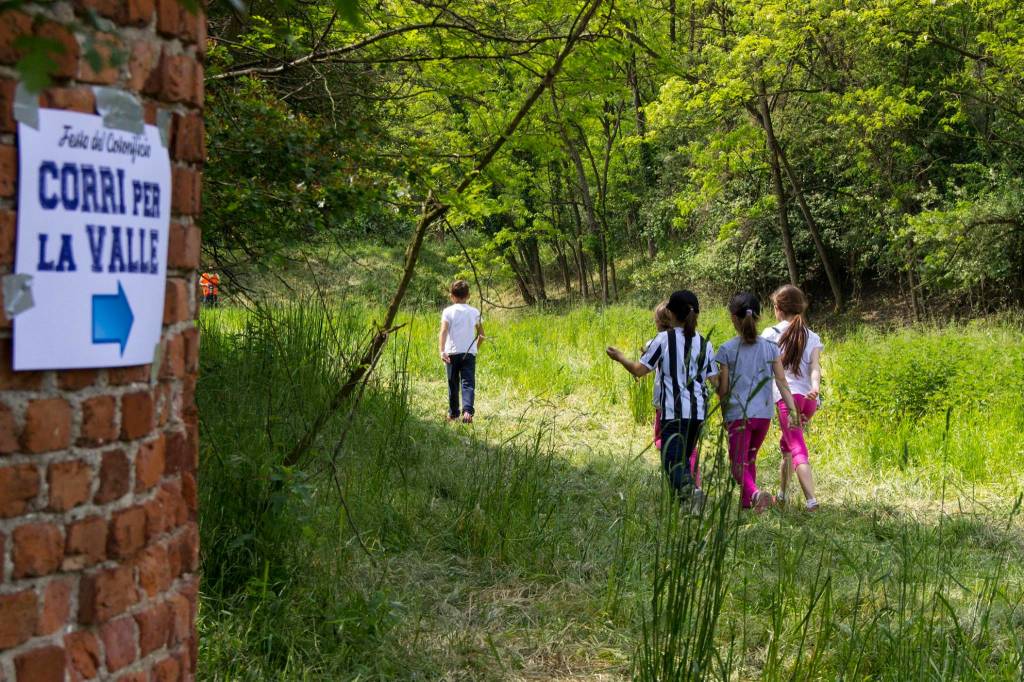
849,147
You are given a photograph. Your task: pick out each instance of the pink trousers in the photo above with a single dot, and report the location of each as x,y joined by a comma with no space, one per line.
694,468
792,441
745,440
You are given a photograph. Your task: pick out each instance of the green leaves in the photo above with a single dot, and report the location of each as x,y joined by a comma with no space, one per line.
38,63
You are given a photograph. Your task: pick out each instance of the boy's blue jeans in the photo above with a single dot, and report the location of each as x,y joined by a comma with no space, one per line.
461,371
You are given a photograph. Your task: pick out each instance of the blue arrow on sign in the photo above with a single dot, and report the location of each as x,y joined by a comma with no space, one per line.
112,318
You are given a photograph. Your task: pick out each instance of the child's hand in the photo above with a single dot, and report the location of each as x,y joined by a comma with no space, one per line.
813,393
614,353
795,421
445,359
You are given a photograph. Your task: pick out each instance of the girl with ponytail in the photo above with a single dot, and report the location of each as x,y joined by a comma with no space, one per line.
801,359
748,365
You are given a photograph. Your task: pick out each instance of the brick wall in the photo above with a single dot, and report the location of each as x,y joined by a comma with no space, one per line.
98,535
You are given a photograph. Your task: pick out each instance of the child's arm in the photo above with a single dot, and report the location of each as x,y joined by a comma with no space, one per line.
815,374
479,333
442,338
722,383
787,395
634,367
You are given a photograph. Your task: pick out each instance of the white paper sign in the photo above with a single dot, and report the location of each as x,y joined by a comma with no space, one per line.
93,213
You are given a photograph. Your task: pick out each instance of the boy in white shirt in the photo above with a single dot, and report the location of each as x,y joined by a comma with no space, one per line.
458,342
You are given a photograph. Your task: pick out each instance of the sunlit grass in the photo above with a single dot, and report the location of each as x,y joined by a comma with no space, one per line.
537,544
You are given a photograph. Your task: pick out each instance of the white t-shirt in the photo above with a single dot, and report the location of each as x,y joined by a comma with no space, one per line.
462,320
799,385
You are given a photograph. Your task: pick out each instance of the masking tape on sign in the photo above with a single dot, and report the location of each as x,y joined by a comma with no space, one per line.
26,106
17,294
120,109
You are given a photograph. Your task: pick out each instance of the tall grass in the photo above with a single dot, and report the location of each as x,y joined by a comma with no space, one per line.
539,543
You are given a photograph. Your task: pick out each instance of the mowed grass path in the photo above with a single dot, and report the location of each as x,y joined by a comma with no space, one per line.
523,546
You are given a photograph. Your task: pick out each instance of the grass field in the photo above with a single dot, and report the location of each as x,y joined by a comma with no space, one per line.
539,543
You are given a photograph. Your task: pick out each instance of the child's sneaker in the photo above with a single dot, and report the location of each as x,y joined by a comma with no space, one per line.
812,505
762,501
450,418
467,418
697,500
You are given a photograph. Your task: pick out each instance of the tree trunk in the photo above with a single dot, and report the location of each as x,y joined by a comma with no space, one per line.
646,153
521,283
531,255
563,266
780,198
819,245
588,201
432,211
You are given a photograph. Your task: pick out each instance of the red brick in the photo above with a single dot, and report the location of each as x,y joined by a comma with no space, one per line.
173,365
8,170
167,670
7,122
190,548
86,543
157,521
8,222
56,607
8,431
99,420
180,619
185,190
189,143
143,60
47,425
18,618
174,504
72,99
70,484
121,376
37,549
45,664
13,25
149,464
191,350
137,12
183,247
66,57
3,569
136,415
190,493
119,642
76,379
168,17
127,532
153,628
164,404
174,80
106,45
178,455
115,476
110,9
155,570
176,301
105,594
83,654
18,486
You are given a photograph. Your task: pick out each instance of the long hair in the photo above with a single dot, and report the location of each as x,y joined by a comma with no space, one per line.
662,317
747,309
792,302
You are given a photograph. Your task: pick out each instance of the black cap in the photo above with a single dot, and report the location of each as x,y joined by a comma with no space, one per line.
741,303
681,302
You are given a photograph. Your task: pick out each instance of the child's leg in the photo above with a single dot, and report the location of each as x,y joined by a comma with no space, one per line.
801,461
695,467
657,429
674,440
739,445
468,373
452,370
786,465
758,429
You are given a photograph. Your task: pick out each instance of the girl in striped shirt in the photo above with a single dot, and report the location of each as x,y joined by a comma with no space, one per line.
684,362
663,321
